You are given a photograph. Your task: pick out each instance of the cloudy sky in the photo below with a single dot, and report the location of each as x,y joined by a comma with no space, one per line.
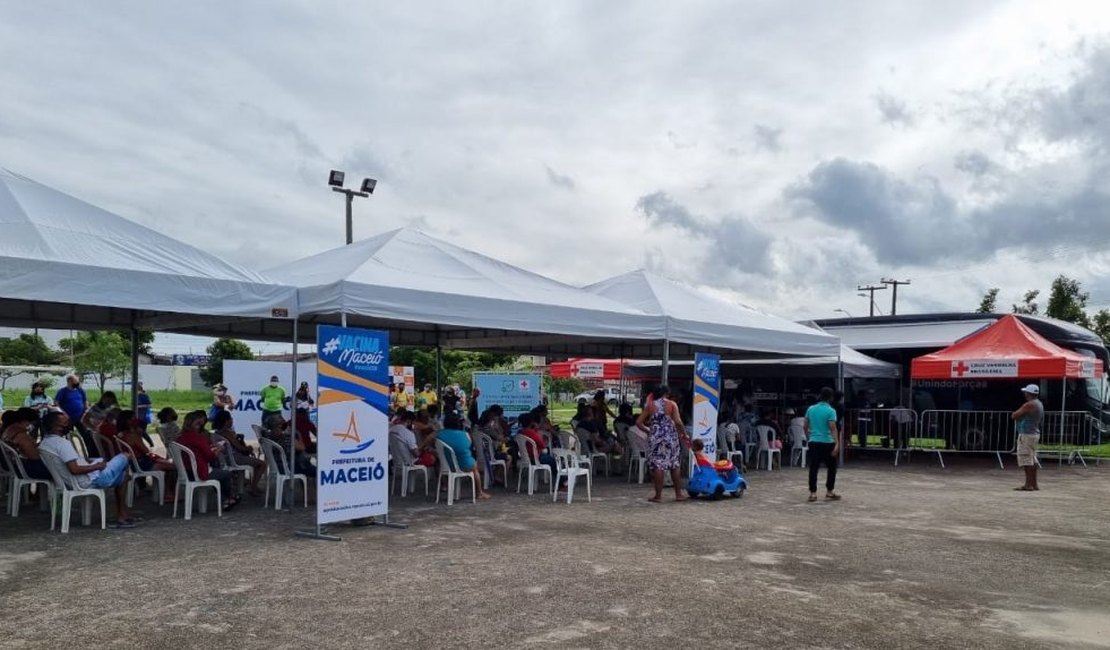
779,153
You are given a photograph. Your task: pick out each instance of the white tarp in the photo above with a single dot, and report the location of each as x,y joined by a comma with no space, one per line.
697,319
856,365
57,249
405,275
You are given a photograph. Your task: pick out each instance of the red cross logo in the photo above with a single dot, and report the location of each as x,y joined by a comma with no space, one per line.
959,368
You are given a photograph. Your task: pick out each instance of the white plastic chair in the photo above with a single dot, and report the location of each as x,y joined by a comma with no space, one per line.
274,453
20,480
186,463
157,475
766,448
448,468
527,448
243,472
726,443
485,453
799,446
637,451
78,443
566,462
568,440
587,451
70,490
404,464
6,476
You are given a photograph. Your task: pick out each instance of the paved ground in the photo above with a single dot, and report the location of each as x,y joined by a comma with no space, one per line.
914,557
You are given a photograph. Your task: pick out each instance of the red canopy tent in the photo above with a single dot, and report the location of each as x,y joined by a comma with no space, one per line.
1006,349
587,368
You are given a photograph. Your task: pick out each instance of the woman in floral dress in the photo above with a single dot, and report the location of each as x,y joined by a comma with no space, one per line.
660,416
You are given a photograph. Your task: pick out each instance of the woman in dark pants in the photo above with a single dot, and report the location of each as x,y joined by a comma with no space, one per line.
824,444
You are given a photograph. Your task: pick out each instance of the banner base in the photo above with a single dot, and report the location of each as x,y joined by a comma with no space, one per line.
372,521
318,533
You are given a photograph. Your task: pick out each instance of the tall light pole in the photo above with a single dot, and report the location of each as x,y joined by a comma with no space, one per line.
843,311
335,179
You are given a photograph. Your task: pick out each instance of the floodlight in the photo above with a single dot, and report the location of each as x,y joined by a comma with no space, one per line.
335,178
368,185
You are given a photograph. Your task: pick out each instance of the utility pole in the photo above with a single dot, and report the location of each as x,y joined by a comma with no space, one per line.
871,289
894,294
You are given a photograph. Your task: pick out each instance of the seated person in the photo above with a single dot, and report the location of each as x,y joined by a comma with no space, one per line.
98,412
422,425
306,431
454,437
108,429
17,433
697,445
528,430
131,431
625,415
433,417
597,441
194,438
277,430
240,451
167,426
100,475
38,399
402,430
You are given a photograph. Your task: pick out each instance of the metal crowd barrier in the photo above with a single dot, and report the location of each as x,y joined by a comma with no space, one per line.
1067,435
894,427
966,432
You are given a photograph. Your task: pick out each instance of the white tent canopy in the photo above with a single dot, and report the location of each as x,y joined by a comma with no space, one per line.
699,322
67,264
431,292
856,366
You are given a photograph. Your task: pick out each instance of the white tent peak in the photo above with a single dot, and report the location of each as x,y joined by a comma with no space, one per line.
697,318
410,258
42,224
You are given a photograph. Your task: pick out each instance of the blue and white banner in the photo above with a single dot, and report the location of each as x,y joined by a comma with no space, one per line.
707,400
352,444
516,392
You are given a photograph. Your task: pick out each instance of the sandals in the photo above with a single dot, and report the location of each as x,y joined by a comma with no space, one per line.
812,498
832,496
1024,488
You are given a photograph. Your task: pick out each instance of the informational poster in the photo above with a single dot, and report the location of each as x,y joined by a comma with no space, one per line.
405,376
245,379
352,446
707,399
516,393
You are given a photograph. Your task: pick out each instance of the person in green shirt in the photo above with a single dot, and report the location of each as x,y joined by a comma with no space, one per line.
273,399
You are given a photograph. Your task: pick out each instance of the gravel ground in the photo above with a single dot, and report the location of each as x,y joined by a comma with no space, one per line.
913,557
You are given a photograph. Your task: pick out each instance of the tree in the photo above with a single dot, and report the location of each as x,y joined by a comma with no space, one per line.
989,302
456,366
1067,301
1028,303
221,349
1100,324
102,354
26,349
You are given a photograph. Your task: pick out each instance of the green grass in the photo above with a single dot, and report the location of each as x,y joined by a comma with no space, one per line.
181,400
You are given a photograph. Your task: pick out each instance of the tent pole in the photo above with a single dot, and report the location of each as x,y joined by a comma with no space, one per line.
135,372
666,362
620,386
840,387
439,353
293,425
1063,410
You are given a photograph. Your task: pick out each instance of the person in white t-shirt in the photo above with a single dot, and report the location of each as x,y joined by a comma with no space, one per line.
99,475
402,429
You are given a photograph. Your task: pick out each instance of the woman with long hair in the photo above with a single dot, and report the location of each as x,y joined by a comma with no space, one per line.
661,417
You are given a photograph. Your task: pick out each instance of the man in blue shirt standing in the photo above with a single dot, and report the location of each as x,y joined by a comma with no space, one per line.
824,443
72,401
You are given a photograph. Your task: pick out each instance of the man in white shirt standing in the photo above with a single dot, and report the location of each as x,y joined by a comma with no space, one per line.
100,475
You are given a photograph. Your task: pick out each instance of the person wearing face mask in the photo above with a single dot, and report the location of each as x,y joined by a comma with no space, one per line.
72,401
221,401
38,399
273,399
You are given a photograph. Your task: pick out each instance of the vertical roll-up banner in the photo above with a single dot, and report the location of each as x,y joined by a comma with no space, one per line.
352,443
707,400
